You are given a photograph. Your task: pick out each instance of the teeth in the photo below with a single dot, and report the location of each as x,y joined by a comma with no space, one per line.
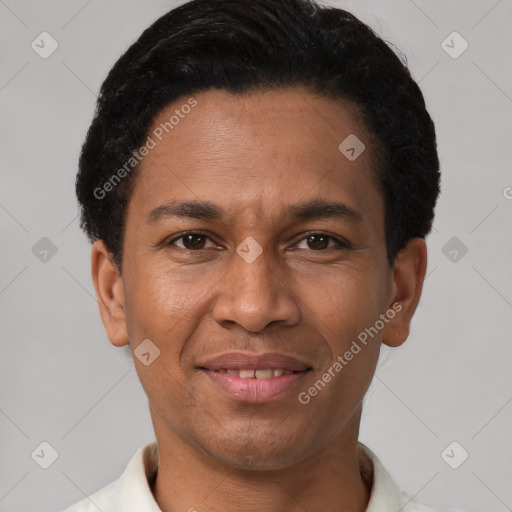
267,373
263,374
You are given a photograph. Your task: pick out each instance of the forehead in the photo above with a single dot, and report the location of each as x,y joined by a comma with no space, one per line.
257,152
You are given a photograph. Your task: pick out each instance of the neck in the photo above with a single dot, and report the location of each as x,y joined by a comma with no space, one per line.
188,479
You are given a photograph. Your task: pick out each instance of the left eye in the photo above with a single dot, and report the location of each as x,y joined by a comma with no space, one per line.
319,241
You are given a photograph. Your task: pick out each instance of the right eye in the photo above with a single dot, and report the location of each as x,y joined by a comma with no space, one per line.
191,241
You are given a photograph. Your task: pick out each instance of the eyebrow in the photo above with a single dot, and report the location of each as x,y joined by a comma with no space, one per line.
205,210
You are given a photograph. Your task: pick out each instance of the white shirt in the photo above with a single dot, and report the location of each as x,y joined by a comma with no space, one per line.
131,492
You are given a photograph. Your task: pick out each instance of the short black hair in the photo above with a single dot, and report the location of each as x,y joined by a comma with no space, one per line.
241,46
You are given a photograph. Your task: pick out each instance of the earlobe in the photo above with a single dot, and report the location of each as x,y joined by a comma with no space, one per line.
408,277
109,293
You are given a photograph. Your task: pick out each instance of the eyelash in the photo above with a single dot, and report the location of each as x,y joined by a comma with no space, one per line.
342,245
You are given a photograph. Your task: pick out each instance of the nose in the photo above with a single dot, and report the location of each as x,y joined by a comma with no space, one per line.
255,295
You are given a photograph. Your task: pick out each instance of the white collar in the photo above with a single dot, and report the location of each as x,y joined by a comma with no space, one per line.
131,492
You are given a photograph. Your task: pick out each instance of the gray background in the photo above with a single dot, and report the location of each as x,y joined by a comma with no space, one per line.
63,383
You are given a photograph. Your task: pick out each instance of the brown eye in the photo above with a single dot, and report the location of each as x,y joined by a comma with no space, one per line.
320,242
190,241
193,241
317,242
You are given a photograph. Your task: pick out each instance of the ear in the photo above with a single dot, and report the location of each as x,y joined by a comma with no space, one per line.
110,293
409,271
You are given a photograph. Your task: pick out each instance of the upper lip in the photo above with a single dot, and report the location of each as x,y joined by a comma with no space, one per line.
240,361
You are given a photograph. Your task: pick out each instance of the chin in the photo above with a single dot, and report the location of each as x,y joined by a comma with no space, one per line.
254,459
255,449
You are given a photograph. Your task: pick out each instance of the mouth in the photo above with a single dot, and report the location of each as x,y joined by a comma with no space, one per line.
253,378
252,373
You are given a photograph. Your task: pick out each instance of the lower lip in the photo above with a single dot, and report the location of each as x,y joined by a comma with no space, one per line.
254,390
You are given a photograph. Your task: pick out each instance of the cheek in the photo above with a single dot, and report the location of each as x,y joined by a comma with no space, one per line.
346,306
165,308
340,386
159,304
344,303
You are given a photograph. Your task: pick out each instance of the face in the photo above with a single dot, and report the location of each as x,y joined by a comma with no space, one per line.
257,274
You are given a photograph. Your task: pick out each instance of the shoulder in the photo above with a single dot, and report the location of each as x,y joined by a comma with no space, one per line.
101,500
131,492
386,495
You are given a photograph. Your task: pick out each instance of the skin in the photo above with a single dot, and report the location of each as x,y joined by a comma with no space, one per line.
252,155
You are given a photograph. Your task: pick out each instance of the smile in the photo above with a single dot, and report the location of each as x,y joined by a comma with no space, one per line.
254,378
246,386
269,373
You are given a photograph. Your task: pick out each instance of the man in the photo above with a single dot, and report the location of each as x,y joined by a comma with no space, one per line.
257,183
